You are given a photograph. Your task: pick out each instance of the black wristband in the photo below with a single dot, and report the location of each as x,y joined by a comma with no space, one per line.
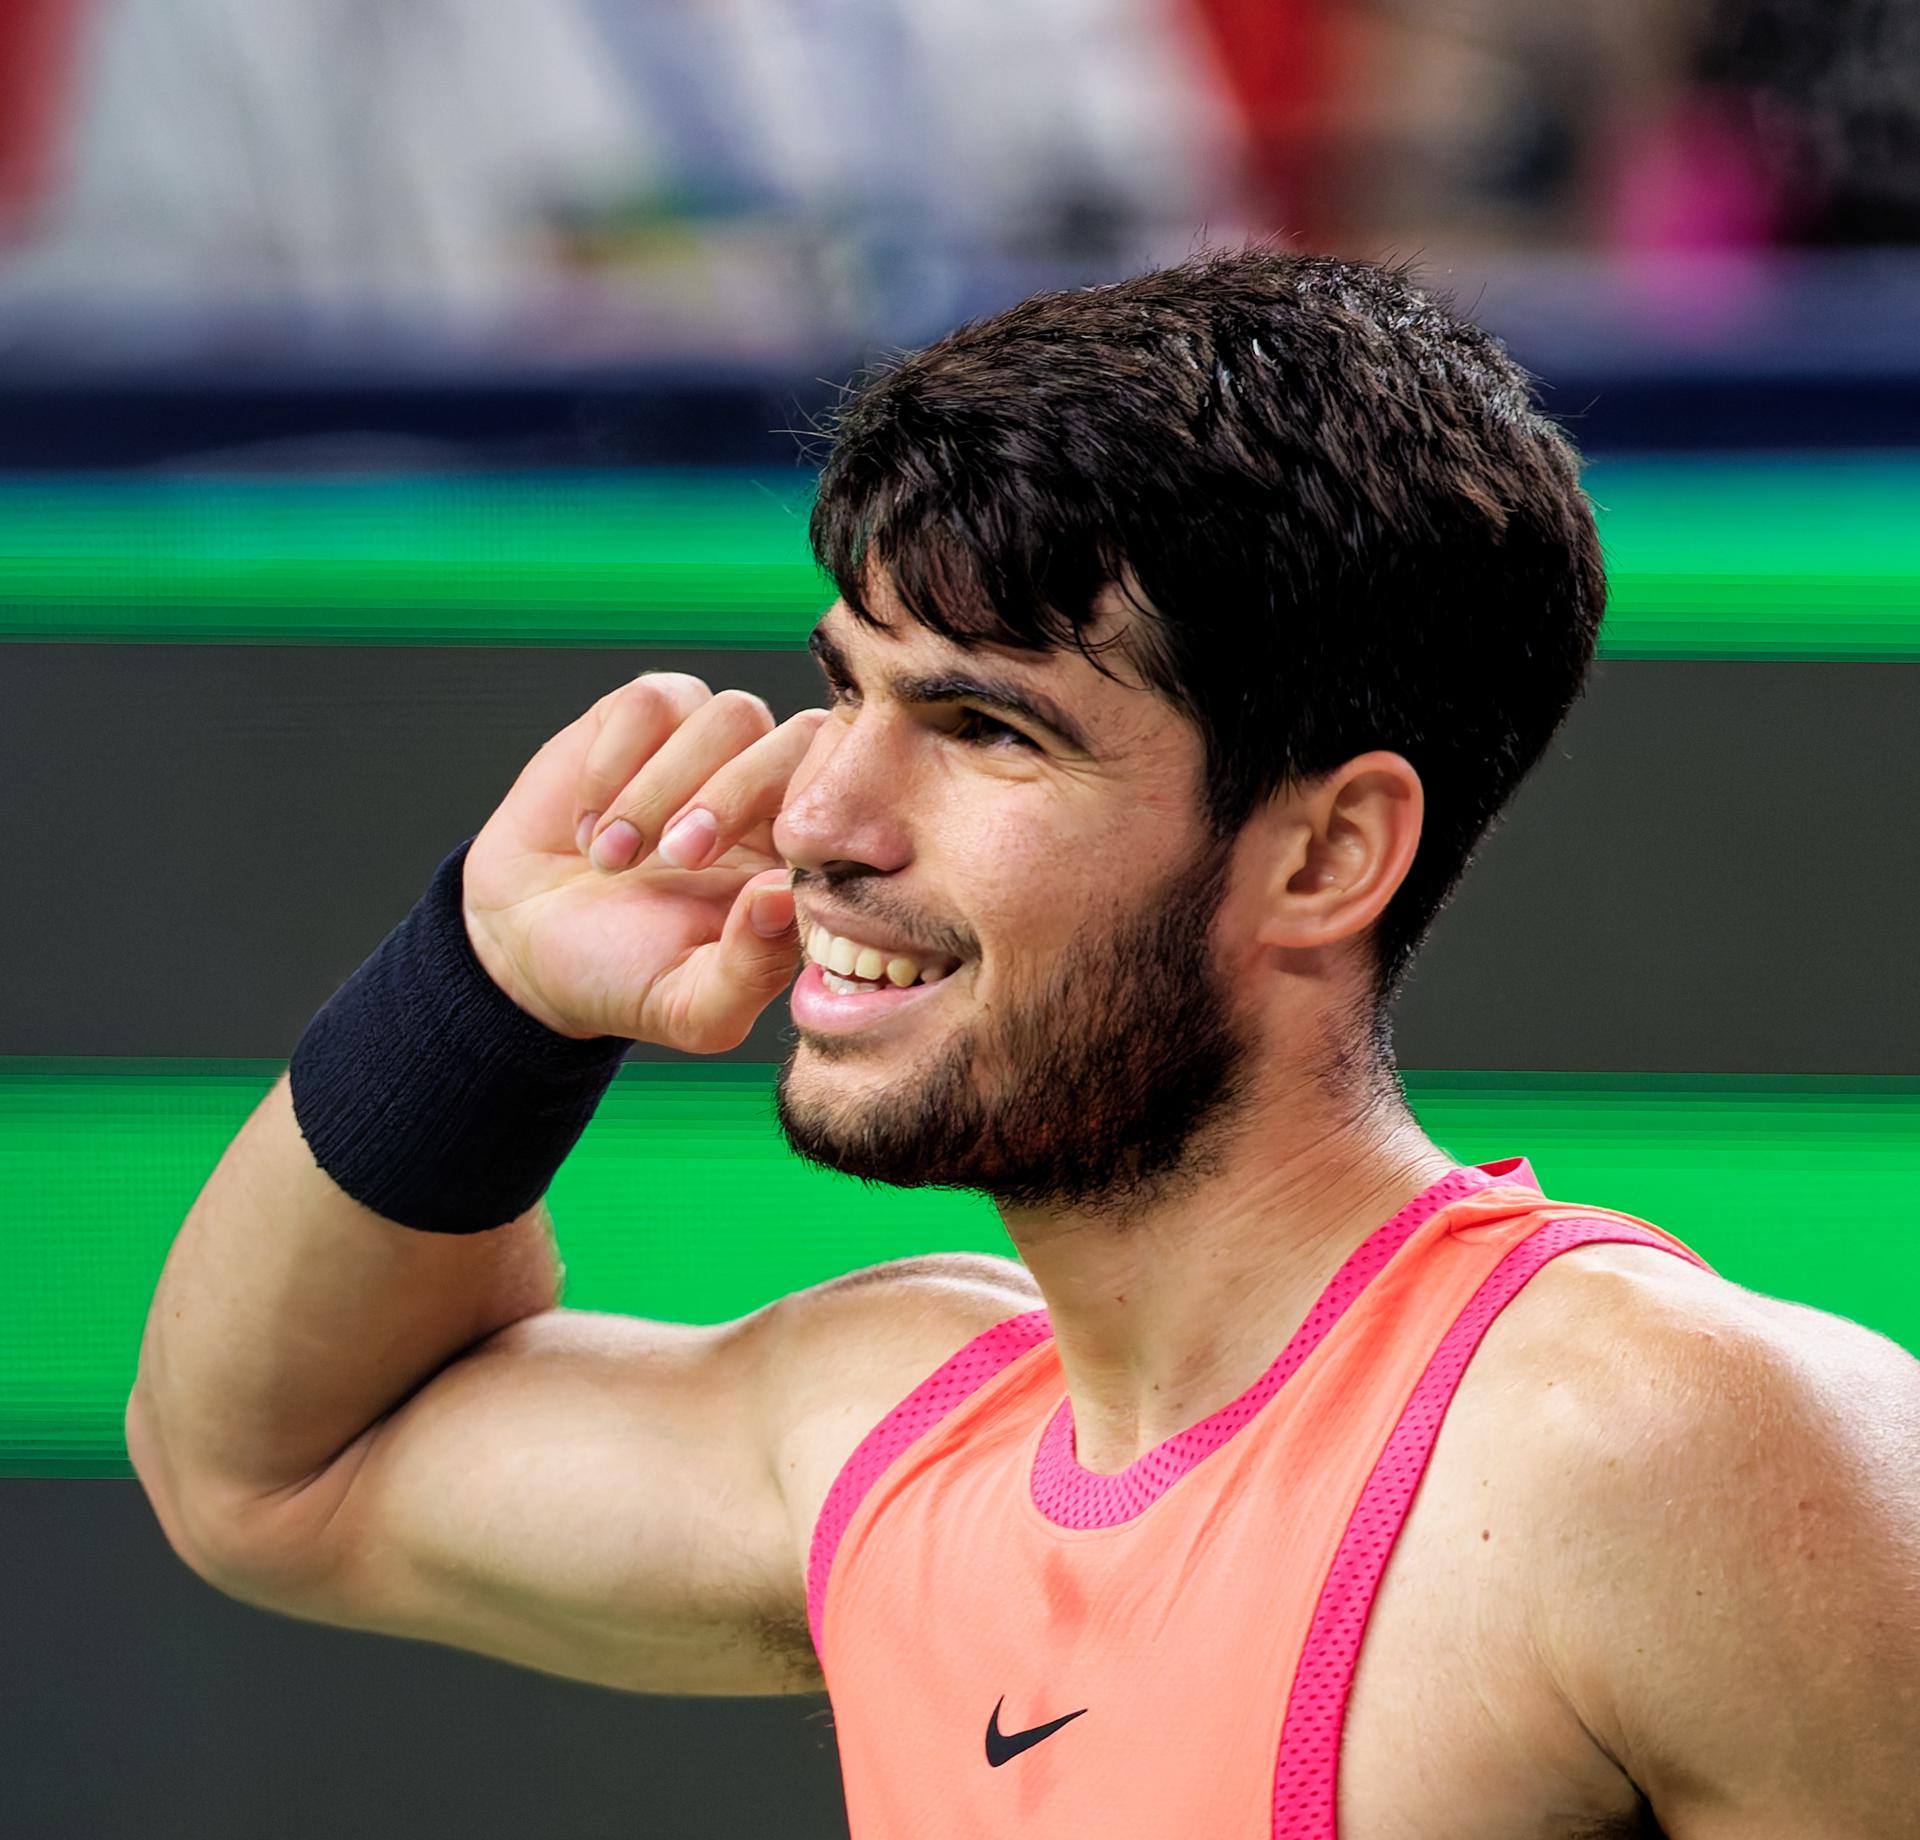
427,1093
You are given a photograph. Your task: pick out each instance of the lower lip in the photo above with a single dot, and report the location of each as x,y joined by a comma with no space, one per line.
837,1012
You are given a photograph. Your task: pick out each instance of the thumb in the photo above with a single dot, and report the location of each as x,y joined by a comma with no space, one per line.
732,980
765,905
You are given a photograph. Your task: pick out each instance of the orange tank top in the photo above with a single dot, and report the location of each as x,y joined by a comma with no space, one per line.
1018,1647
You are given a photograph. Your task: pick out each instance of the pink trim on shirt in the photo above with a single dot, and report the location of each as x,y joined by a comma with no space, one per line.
1062,1490
1071,1496
959,1376
1306,1774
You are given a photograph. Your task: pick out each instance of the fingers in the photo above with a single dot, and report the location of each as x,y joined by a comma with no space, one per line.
742,799
729,744
634,721
724,986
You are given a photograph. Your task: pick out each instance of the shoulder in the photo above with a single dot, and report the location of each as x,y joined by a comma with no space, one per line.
928,1280
1639,1338
1727,1540
908,1313
850,1350
1628,1303
1647,1382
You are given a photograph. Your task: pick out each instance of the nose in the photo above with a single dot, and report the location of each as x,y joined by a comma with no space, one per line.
847,803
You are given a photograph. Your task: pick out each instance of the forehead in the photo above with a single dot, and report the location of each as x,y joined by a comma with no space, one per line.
888,638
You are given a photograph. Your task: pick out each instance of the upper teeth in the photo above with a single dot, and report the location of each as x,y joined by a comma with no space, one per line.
849,958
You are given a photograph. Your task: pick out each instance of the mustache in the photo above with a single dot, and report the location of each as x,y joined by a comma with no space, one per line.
854,891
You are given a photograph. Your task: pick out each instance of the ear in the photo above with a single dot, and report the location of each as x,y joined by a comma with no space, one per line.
1346,842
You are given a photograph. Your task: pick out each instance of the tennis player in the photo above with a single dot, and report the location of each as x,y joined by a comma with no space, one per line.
1296,1478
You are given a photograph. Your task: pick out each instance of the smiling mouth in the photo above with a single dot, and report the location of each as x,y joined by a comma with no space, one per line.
849,967
856,986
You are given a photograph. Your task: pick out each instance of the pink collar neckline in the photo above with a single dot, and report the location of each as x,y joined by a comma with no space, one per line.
1073,1497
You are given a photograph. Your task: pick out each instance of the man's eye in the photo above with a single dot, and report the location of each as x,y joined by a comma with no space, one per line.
984,731
974,728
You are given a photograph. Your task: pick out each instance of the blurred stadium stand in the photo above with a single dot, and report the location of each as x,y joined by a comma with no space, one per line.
584,233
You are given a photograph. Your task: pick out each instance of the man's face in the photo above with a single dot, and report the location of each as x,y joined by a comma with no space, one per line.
1043,875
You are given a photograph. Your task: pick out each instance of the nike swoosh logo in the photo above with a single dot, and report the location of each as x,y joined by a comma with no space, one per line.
1003,1747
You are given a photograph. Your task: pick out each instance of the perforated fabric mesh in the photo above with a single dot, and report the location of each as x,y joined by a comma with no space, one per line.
1305,1787
958,1377
1071,1496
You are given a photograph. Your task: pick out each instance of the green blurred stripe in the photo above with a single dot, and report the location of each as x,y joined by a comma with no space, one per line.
682,1201
1711,557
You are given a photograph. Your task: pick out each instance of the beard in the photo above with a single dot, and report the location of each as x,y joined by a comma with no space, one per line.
1092,1094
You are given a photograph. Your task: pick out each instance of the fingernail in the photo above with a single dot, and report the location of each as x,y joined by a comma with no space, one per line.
686,843
772,911
616,846
584,831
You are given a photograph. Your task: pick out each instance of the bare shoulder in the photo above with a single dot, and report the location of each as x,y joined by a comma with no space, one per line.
1724,1496
1630,1330
1633,1369
851,1349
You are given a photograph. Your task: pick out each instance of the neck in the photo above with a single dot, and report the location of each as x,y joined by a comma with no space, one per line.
1163,1315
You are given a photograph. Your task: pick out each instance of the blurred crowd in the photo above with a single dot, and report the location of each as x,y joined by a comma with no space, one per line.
735,176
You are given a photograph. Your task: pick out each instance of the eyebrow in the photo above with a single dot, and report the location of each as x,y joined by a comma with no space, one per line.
991,692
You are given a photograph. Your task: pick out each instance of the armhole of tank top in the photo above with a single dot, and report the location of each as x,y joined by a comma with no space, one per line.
955,1380
1306,1781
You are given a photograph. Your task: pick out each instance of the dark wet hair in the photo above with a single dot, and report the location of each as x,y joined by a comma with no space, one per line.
1344,522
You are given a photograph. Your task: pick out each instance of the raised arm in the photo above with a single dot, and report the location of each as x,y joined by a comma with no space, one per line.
597,1496
360,1421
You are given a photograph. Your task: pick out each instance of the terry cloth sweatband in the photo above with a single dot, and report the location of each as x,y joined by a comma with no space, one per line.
427,1093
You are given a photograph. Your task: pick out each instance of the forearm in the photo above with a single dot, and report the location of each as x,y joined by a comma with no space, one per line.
289,1318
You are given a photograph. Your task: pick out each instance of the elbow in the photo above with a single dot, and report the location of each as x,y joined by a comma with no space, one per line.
271,1551
185,1530
202,1539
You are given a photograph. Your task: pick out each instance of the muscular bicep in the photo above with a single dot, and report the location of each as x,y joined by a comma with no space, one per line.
589,1495
616,1500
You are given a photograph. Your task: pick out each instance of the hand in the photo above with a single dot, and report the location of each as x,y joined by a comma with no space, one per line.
683,956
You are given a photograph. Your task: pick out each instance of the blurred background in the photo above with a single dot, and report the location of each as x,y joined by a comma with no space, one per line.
381,381
573,201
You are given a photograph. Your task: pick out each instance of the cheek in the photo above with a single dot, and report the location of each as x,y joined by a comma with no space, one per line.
1041,895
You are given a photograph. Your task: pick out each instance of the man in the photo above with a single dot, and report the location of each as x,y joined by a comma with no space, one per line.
1190,633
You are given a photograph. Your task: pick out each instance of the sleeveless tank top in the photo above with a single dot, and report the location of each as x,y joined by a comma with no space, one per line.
1016,1646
